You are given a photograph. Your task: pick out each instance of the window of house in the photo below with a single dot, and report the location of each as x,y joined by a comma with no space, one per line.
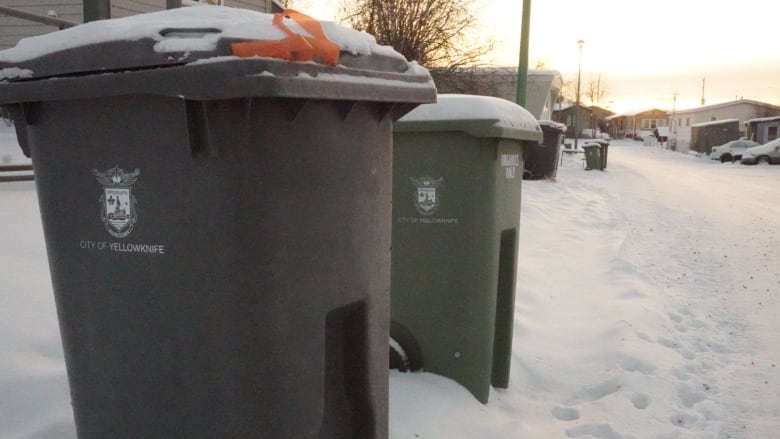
771,133
651,124
713,118
687,121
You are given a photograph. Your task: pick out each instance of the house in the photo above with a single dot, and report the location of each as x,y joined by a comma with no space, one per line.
763,130
26,18
637,125
682,121
544,86
589,120
705,135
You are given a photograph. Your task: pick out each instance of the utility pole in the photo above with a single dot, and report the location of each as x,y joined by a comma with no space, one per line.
674,111
702,90
522,67
577,110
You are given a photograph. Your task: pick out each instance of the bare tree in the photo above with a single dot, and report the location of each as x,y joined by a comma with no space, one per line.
568,91
435,33
596,90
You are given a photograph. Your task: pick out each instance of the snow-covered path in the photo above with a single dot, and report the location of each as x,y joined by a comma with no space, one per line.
707,232
646,308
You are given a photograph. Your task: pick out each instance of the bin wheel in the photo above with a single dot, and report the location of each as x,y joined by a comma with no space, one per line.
398,358
405,352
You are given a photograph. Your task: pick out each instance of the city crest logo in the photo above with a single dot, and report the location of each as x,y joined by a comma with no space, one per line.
117,204
426,200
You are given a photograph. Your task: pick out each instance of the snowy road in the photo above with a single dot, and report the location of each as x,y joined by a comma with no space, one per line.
665,278
710,232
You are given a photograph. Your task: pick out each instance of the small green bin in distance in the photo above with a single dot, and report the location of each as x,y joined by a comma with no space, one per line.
592,156
457,176
218,228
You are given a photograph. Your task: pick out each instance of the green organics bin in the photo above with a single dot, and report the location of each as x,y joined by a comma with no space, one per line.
217,227
457,176
592,156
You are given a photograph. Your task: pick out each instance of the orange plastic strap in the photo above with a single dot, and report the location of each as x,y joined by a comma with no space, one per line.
295,47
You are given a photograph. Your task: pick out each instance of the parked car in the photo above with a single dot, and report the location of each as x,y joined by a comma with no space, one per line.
731,151
766,153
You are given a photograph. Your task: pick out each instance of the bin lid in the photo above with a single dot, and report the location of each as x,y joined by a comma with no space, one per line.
479,116
552,126
191,52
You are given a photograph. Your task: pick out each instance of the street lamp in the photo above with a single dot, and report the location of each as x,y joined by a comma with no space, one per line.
577,110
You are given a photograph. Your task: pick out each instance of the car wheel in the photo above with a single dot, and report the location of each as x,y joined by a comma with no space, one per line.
725,158
763,160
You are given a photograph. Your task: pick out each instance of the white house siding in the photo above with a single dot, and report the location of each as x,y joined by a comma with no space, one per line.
13,29
125,8
743,110
256,5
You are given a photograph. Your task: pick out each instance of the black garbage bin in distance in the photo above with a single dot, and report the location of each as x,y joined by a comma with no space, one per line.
218,232
541,160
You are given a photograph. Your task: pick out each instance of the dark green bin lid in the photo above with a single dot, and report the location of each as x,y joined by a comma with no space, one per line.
479,116
186,52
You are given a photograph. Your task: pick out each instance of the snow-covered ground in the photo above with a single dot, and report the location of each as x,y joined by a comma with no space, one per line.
647,307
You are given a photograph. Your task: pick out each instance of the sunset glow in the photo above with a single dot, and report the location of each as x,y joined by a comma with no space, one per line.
653,55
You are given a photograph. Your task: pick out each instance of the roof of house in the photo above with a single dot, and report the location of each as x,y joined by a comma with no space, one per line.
634,114
727,104
715,122
763,119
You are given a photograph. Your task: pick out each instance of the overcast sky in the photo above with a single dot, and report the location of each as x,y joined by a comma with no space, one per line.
647,52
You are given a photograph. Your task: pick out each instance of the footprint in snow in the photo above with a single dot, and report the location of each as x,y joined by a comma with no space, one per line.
640,401
565,414
596,392
598,431
631,364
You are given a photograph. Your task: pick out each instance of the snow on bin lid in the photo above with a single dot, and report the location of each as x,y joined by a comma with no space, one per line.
174,37
197,46
480,116
552,124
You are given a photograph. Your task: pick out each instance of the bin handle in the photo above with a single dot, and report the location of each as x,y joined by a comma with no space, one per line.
295,47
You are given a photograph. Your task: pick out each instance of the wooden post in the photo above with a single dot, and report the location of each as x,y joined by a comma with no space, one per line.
97,10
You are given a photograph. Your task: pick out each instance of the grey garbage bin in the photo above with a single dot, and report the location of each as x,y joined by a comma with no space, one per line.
457,184
541,159
218,228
